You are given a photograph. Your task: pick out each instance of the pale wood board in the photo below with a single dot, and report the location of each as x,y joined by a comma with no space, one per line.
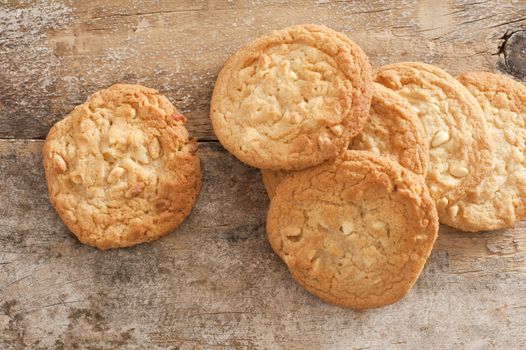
214,283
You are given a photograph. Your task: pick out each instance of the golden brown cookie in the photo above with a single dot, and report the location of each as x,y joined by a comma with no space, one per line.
460,149
393,130
499,201
355,232
292,99
120,167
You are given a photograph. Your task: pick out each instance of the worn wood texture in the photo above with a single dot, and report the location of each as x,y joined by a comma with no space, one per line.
54,54
214,283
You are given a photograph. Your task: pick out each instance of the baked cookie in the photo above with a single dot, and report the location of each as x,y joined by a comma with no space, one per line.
292,99
499,201
393,130
460,149
355,232
120,167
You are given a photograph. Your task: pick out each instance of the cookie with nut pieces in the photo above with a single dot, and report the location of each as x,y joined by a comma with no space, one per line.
355,232
120,168
393,130
499,201
460,148
292,99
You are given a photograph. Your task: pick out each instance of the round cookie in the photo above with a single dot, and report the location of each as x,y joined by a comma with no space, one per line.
460,149
393,130
355,232
499,201
292,99
120,167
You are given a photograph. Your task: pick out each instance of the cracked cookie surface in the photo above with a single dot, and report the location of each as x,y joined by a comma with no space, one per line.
120,168
355,232
393,130
292,99
460,148
499,201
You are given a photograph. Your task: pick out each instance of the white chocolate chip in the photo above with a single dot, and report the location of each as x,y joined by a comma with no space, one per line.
285,64
324,141
375,151
154,148
264,62
368,141
440,138
510,136
442,202
141,155
453,210
59,164
76,178
293,75
377,226
294,118
115,174
420,237
458,171
337,130
316,265
346,228
399,181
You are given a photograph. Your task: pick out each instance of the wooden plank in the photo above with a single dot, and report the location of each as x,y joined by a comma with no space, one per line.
54,54
215,283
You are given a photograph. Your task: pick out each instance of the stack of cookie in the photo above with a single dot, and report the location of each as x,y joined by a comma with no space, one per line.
359,172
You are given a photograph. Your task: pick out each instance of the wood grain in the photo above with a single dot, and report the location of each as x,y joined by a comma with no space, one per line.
53,55
215,282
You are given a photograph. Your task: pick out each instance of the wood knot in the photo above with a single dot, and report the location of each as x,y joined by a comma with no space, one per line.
513,51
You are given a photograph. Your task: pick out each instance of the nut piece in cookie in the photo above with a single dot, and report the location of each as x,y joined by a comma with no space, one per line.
392,130
499,201
292,99
120,168
460,147
355,232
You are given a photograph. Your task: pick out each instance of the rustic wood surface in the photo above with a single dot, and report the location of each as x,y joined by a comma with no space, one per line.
214,283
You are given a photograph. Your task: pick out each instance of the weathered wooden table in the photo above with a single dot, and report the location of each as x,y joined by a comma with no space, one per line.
214,282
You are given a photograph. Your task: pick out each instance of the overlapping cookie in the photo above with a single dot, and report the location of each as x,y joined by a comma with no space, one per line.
120,168
460,148
393,130
292,99
355,232
499,201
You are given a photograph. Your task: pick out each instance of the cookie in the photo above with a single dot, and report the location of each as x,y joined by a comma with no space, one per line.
355,232
292,99
393,130
499,201
120,168
460,149
271,180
